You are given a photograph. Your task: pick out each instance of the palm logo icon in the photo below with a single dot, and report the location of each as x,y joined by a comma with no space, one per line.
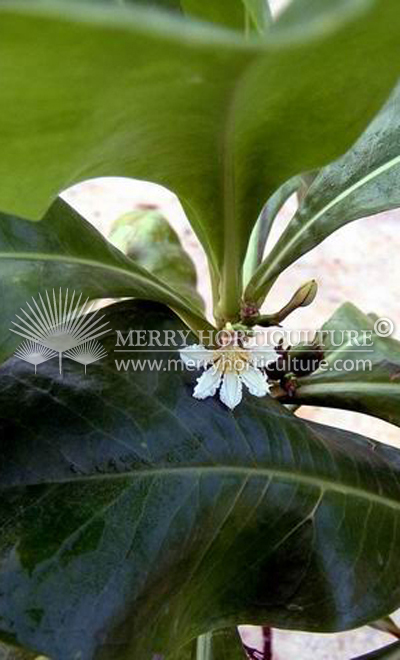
87,353
60,324
34,353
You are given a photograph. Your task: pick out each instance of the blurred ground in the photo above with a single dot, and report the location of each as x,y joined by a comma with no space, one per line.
358,263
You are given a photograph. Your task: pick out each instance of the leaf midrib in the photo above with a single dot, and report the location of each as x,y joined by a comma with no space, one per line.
324,485
330,387
134,276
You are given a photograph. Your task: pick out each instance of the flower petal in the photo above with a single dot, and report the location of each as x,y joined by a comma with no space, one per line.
196,356
260,356
255,381
231,389
207,384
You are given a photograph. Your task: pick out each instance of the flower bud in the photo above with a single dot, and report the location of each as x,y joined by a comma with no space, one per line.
303,297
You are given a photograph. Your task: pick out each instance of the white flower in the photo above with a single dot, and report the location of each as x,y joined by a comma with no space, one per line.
229,367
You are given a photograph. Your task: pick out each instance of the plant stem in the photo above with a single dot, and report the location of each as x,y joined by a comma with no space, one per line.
266,652
267,643
256,246
204,647
230,294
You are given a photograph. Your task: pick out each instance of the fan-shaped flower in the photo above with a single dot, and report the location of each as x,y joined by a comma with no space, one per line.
229,368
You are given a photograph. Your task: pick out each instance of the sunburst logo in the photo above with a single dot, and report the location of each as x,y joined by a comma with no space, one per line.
60,325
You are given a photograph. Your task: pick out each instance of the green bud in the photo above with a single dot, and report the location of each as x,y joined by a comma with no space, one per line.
303,297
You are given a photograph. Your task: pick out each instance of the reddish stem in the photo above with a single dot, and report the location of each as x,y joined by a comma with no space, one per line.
266,653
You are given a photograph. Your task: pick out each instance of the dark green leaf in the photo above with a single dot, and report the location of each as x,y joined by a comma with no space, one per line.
221,120
65,250
134,518
364,182
374,390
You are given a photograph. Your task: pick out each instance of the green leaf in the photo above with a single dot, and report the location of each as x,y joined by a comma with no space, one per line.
391,652
244,15
172,5
162,4
146,237
63,250
344,383
363,182
219,119
263,226
134,518
240,15
260,14
314,15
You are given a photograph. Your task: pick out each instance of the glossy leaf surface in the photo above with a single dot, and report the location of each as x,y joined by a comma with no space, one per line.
134,518
64,250
345,383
